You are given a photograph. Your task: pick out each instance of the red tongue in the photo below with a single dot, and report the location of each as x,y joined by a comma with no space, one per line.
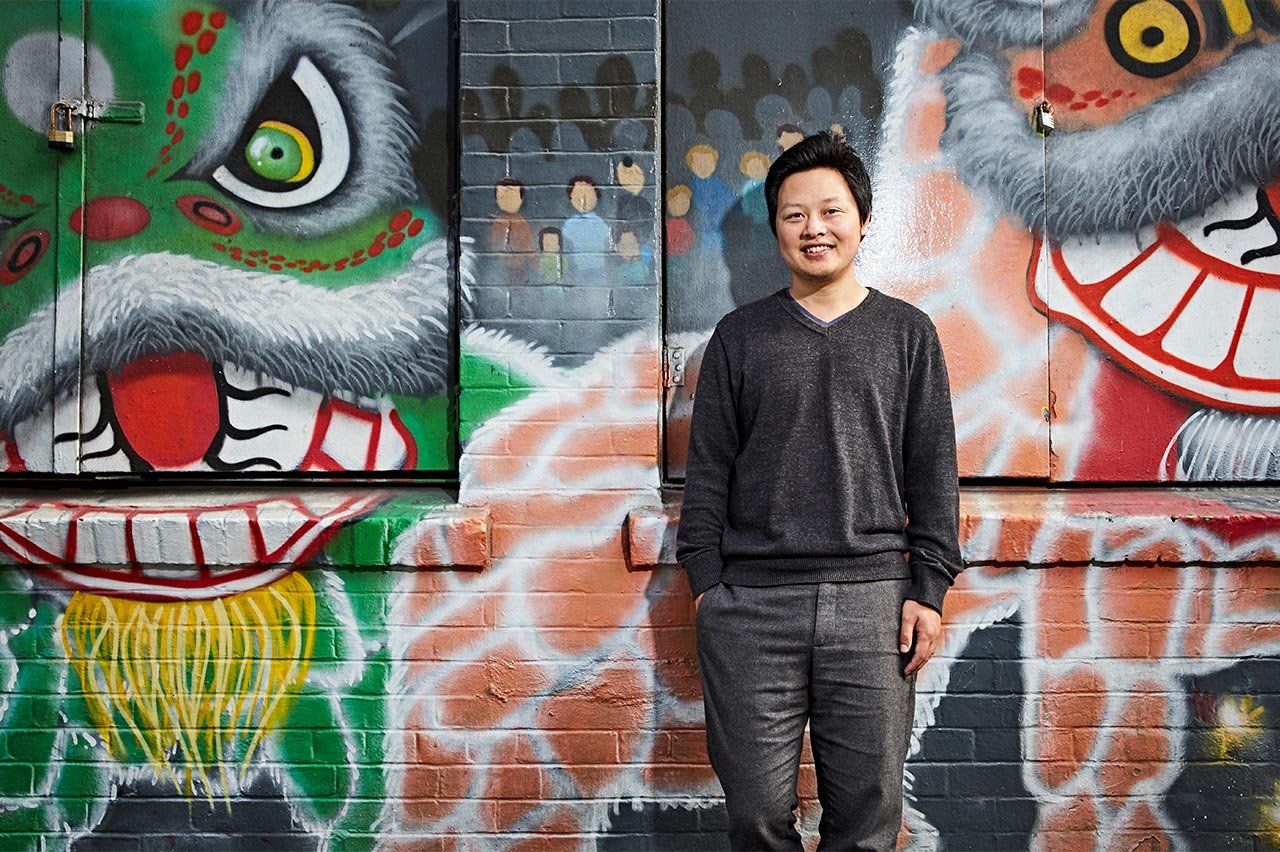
167,407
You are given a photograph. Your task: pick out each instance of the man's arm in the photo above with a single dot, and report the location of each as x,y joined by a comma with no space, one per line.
932,484
713,446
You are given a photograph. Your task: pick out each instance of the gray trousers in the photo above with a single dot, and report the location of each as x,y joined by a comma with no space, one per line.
776,657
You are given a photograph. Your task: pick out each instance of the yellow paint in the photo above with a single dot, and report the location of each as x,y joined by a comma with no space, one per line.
1269,818
304,148
1239,18
191,682
1237,722
1162,15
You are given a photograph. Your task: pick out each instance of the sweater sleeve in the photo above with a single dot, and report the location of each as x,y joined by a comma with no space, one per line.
713,447
931,481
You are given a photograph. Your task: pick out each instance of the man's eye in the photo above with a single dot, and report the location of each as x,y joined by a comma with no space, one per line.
296,147
834,210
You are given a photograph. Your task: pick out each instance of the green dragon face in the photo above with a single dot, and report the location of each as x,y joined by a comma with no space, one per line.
265,288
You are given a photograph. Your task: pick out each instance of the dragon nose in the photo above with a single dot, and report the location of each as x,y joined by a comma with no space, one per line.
109,218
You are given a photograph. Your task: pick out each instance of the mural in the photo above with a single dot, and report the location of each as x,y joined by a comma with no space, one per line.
289,668
266,287
1142,229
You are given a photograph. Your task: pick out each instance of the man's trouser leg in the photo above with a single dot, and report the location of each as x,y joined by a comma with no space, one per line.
754,649
861,713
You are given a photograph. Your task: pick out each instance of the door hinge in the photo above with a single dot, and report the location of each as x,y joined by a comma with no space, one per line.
673,367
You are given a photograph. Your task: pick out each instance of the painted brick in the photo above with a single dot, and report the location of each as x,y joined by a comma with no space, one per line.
607,8
561,35
633,34
509,10
581,68
484,36
535,69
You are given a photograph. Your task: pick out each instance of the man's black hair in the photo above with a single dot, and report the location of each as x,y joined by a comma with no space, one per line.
822,150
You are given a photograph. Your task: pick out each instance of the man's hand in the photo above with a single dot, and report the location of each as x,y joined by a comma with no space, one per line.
924,625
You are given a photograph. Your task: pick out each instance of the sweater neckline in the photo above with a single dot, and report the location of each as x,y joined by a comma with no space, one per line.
810,321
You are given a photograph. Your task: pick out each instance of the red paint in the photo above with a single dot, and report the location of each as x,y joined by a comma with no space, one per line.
1030,77
209,214
177,137
26,199
1102,102
1115,93
104,219
375,249
1092,95
218,19
1059,92
415,227
193,82
191,22
168,108
401,220
1120,400
182,57
396,239
170,127
1272,192
151,172
147,393
1079,105
183,109
1025,93
204,44
175,88
22,255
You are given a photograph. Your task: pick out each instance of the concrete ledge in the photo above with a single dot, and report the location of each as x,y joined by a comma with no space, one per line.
1043,527
216,527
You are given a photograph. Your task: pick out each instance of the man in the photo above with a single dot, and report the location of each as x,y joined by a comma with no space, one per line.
822,454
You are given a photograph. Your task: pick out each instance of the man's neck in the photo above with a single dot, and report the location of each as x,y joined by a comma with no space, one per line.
830,299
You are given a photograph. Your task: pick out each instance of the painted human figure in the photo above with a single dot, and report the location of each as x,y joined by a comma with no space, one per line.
712,198
550,259
679,231
822,412
510,234
586,236
632,205
754,165
636,257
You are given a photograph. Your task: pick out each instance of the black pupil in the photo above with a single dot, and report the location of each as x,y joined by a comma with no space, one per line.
277,153
1152,36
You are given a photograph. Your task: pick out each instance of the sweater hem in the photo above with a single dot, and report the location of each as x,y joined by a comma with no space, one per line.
781,571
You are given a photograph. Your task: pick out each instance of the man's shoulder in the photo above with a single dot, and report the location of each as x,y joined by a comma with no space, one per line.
905,316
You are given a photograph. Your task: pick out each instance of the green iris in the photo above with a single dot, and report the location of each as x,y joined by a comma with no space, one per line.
277,154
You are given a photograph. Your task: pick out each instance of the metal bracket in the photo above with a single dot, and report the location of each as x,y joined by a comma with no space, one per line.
113,112
673,367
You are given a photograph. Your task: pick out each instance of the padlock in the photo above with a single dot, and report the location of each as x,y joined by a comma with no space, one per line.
61,136
1042,118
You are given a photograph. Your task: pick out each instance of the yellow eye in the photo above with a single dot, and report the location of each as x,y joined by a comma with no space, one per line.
1152,38
280,152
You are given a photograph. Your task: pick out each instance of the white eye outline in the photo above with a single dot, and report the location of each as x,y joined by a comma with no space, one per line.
335,148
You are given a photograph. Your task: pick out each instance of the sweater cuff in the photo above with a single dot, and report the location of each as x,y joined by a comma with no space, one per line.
929,587
704,571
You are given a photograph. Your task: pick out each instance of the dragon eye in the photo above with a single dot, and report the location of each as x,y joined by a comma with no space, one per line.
280,152
296,147
1152,38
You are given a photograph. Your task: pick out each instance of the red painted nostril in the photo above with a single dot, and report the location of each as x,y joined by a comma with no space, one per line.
110,218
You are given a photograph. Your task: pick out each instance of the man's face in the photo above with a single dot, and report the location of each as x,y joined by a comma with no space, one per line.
678,203
819,225
631,178
583,197
788,138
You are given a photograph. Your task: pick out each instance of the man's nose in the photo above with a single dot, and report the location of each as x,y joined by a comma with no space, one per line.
113,218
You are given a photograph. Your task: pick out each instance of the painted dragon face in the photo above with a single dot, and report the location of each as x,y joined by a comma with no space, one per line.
264,287
1161,188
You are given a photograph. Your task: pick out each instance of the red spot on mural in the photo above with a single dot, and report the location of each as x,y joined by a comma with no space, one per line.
183,109
191,22
104,219
1059,92
182,56
23,254
204,44
401,220
209,214
175,89
193,82
415,227
218,19
144,394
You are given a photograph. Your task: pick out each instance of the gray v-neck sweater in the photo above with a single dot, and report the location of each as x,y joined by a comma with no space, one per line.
822,453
